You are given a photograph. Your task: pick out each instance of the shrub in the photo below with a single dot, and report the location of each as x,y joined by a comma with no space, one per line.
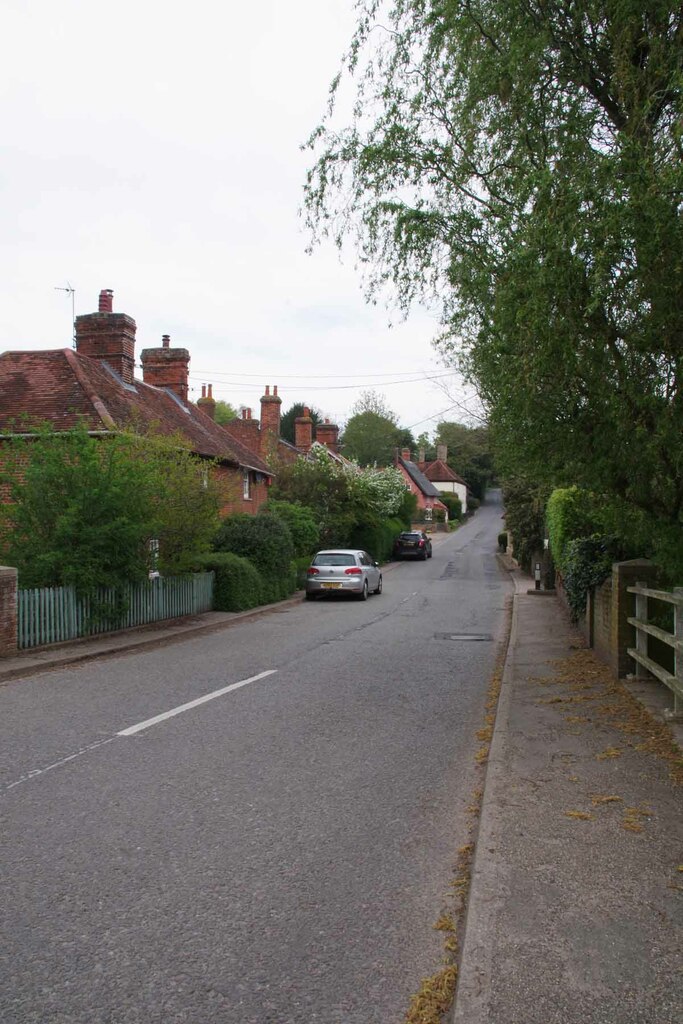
472,503
571,513
377,538
265,540
238,585
587,563
302,526
453,504
524,518
503,541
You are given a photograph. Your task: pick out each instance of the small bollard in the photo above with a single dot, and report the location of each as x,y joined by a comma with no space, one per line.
537,575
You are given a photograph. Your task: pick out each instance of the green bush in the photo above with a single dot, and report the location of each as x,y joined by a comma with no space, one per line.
472,503
302,526
377,538
571,513
524,518
503,541
453,504
265,540
587,563
238,585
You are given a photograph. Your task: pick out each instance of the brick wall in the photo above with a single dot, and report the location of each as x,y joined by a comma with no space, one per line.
8,611
601,621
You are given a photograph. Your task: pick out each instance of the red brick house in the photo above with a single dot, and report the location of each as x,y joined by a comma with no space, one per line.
95,384
426,493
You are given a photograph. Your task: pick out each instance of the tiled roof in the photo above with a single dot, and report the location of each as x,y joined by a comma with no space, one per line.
63,387
419,479
437,471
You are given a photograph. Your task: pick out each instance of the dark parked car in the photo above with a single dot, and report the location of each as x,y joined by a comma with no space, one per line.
413,544
343,571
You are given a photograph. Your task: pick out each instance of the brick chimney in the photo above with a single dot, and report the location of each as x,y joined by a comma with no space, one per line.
328,434
108,336
207,403
441,452
166,367
270,419
247,430
405,454
303,431
421,455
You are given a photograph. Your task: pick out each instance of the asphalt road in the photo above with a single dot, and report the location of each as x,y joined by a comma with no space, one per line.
275,855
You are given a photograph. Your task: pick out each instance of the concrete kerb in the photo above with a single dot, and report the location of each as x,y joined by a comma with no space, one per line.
487,887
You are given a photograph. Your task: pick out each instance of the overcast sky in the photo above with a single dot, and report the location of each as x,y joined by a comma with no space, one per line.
153,148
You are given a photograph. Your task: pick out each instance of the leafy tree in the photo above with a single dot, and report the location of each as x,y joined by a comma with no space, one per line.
82,510
372,401
520,162
341,497
287,419
370,438
469,454
224,412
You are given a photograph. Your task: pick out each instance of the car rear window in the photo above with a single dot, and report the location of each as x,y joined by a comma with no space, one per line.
333,559
409,536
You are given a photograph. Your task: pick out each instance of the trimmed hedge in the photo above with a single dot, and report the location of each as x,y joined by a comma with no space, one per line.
377,538
238,585
452,503
265,540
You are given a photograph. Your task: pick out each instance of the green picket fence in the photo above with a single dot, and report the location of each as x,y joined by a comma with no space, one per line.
55,614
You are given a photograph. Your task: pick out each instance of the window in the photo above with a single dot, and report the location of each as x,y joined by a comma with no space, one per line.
246,484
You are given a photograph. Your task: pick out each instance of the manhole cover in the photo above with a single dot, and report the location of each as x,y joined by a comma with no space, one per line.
464,636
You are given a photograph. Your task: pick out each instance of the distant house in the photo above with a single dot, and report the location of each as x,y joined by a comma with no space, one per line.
443,477
95,385
428,498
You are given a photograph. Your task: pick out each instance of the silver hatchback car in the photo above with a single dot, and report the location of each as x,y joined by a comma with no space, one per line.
345,571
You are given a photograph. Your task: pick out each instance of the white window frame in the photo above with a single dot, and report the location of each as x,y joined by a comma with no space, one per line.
246,485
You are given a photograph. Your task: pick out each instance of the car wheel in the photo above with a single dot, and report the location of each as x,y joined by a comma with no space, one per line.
363,596
424,556
429,555
311,597
379,586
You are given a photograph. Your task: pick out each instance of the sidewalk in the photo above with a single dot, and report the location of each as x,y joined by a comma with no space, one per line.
575,910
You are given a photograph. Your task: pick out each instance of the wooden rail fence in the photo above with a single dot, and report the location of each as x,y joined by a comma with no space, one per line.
645,628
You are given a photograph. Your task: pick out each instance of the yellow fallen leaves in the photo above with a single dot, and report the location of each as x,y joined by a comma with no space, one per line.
607,754
579,815
633,818
598,800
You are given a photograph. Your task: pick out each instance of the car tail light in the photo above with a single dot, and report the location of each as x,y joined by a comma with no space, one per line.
355,571
420,543
311,572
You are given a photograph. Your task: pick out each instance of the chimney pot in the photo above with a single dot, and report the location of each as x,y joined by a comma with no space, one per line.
165,340
106,303
210,390
203,390
275,389
267,389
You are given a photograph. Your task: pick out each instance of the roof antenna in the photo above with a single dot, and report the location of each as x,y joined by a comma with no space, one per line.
72,292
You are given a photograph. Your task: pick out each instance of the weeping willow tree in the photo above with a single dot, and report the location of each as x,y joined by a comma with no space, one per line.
519,163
